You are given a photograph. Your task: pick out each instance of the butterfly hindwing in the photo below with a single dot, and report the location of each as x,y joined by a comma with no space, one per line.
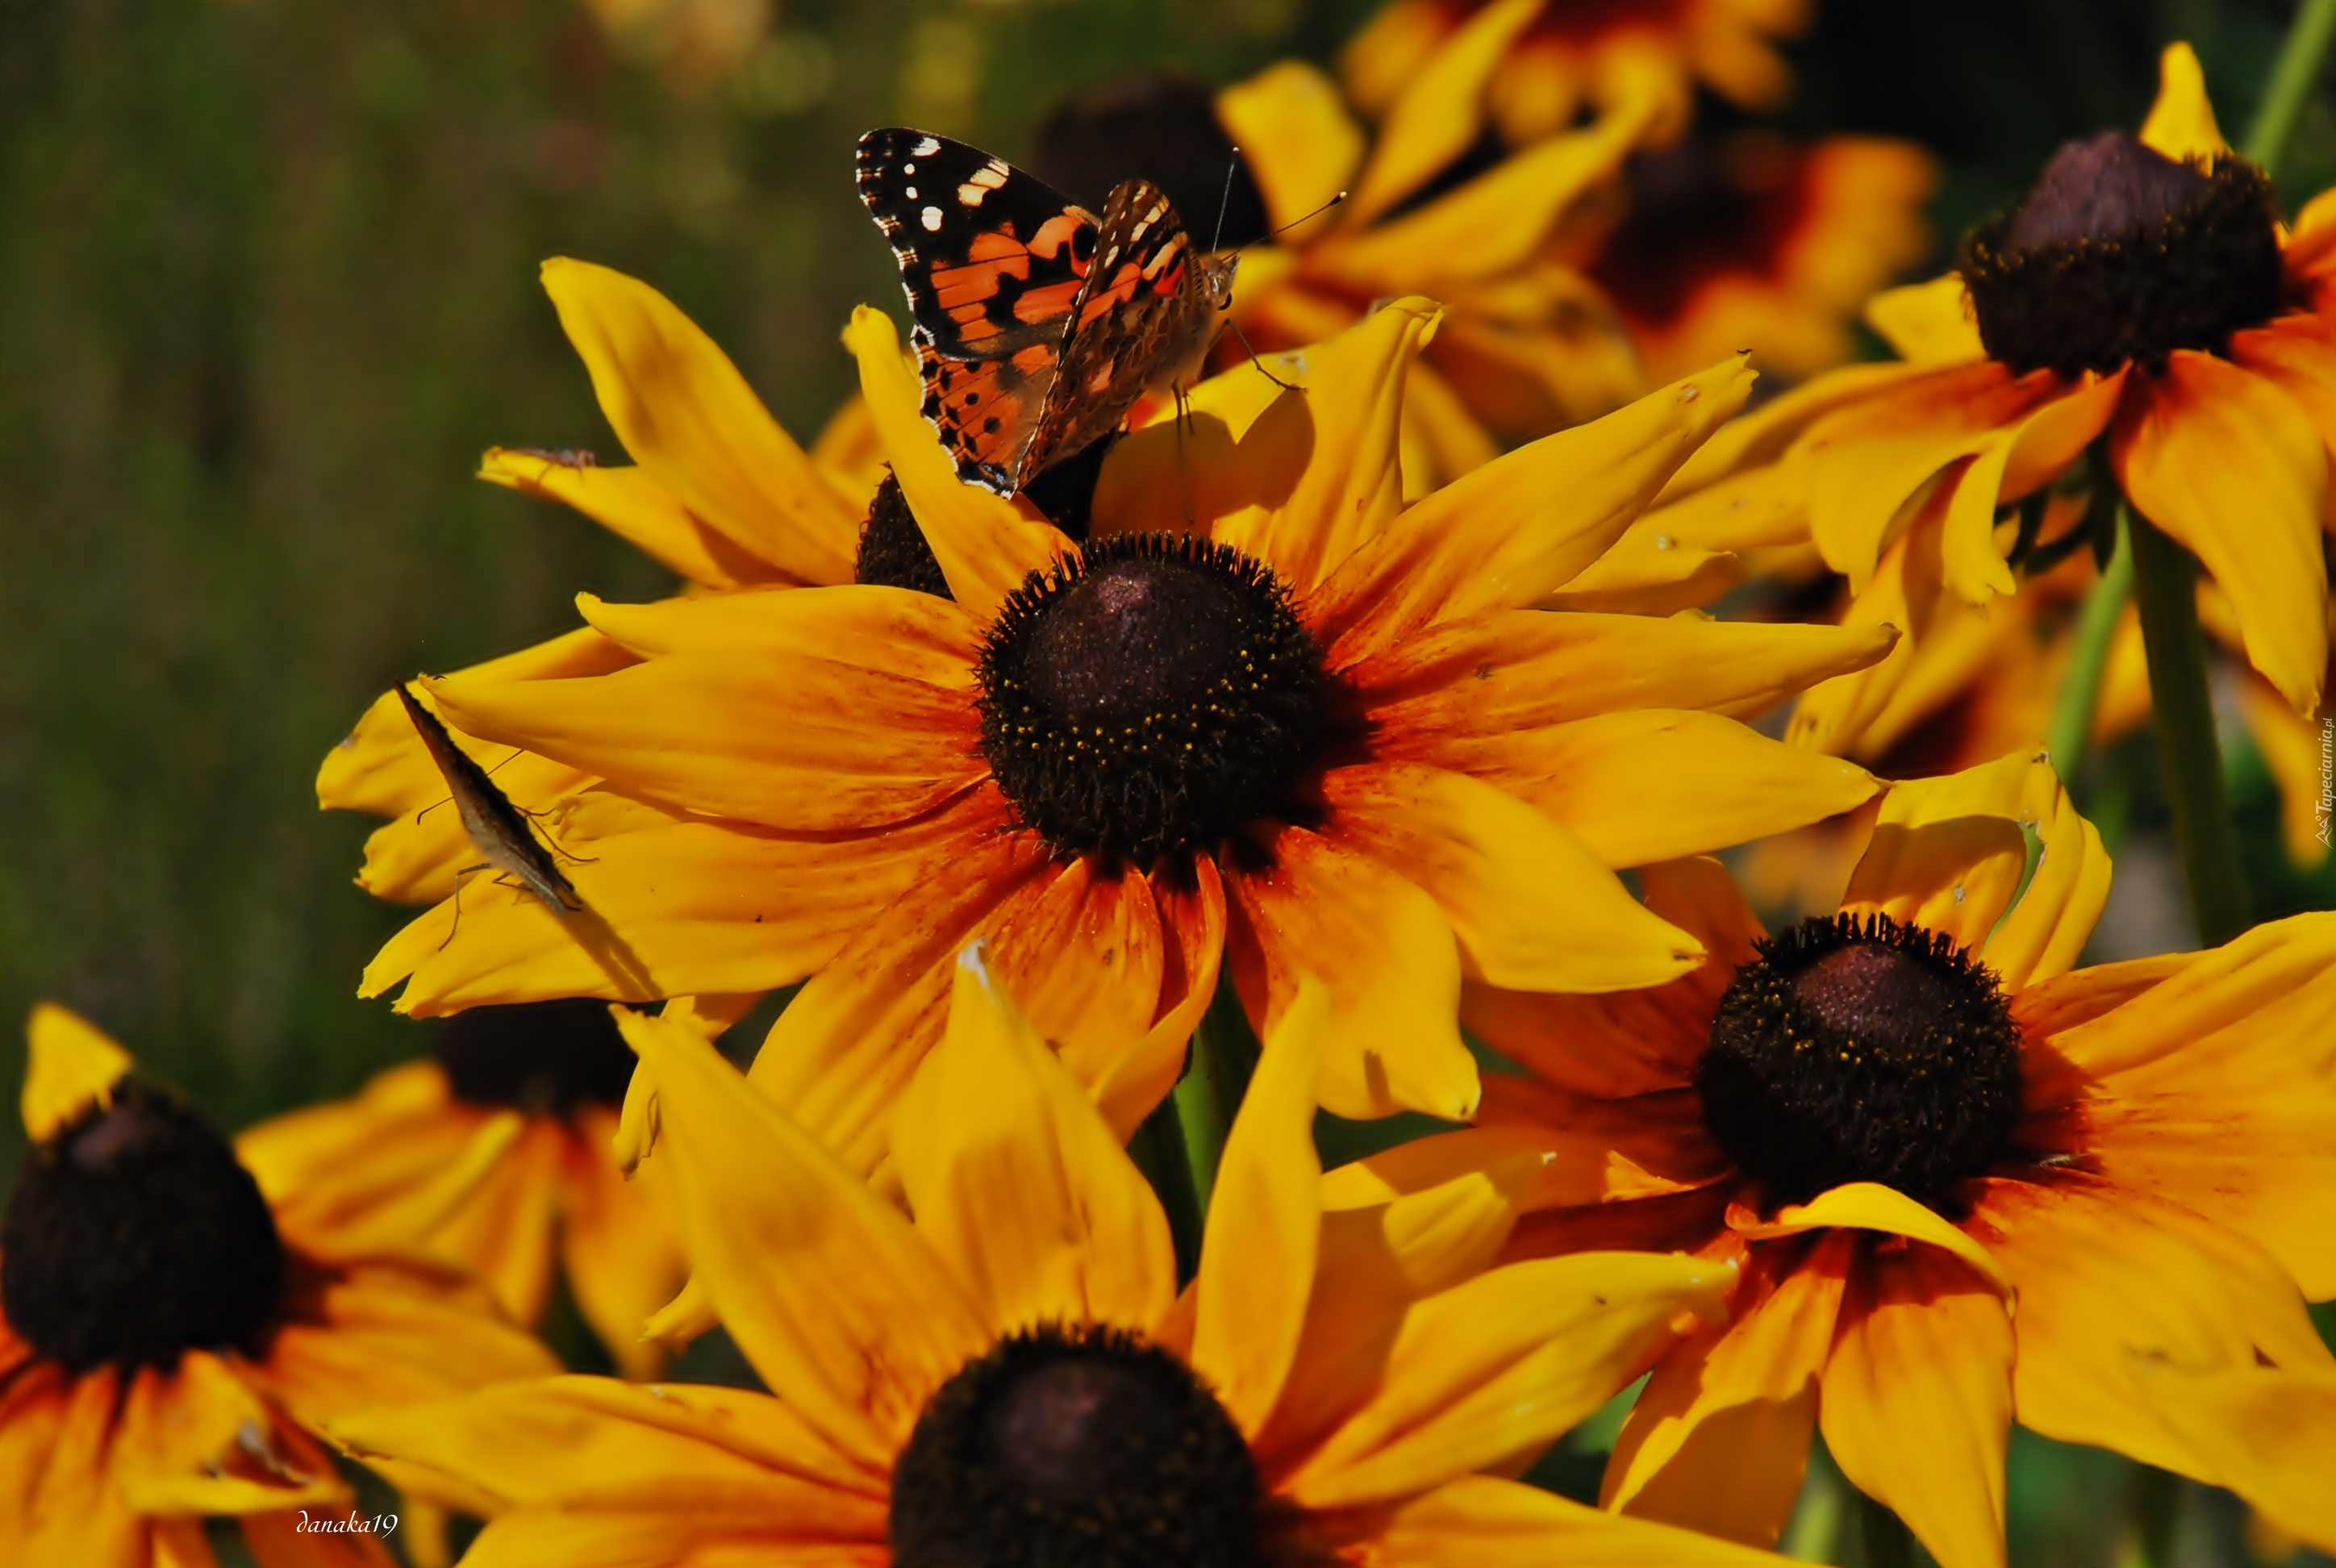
1133,317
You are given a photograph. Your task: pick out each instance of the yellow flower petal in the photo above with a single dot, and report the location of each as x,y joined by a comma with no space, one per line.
2011,462
73,1070
689,419
1377,1258
1440,112
2106,1275
1948,854
2181,123
1385,949
596,1446
2271,1432
811,712
1036,1208
1719,1436
1483,681
1638,787
1917,1400
1490,226
984,545
1501,1365
689,907
1928,322
838,1303
1488,1523
2230,466
1523,525
1871,1206
1533,908
1297,140
1346,430
1265,1222
632,504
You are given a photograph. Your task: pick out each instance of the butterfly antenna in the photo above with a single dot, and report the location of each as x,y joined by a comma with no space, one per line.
1316,213
1225,201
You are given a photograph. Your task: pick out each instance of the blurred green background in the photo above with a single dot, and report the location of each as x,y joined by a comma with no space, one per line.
268,288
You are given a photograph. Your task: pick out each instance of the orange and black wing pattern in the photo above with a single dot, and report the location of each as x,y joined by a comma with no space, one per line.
995,263
1135,316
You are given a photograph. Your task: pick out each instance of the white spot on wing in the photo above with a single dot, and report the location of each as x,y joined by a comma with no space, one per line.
971,195
927,146
911,194
908,169
932,219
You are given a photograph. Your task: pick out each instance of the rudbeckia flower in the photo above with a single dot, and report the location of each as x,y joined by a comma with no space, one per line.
1554,57
2144,295
1966,1182
1747,241
717,492
494,1155
1306,731
1528,345
1009,1374
172,1332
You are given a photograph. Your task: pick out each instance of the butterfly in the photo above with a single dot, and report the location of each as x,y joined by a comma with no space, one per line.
1037,325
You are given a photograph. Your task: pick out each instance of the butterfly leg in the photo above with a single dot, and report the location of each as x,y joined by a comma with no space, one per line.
1183,479
558,848
457,926
1254,359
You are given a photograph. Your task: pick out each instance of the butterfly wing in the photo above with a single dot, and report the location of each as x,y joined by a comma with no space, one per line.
994,263
1139,318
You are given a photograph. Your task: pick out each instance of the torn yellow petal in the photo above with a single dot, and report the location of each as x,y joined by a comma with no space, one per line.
984,545
1871,1206
1440,112
73,1070
2181,123
1264,1229
1928,322
1038,1211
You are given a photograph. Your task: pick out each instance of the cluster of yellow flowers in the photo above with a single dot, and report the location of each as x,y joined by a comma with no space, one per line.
1362,727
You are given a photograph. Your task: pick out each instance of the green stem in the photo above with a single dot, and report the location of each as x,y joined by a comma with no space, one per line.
1816,1529
2080,688
2292,80
2156,1510
1888,1543
1224,1054
2189,758
1158,1151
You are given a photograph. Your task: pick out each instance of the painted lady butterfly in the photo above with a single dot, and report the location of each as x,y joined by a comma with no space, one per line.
1038,326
